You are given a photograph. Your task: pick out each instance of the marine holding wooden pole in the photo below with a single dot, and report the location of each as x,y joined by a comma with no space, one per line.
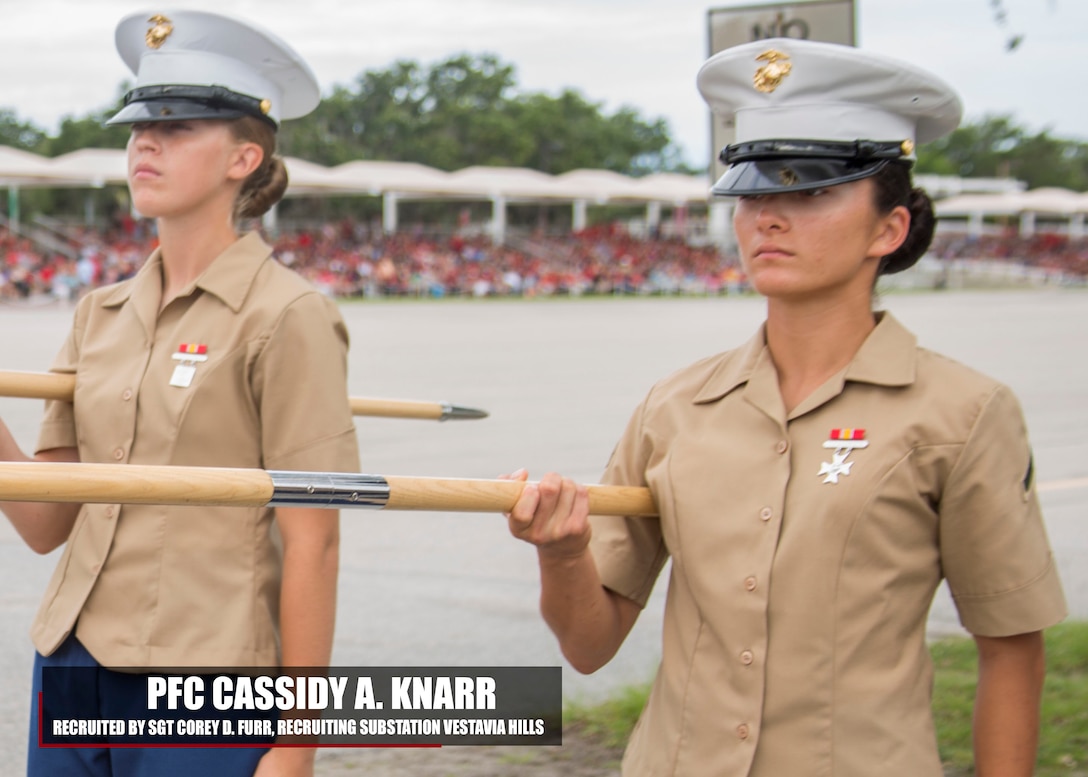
213,354
816,483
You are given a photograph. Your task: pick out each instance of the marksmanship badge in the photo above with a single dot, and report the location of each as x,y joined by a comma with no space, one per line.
842,441
189,355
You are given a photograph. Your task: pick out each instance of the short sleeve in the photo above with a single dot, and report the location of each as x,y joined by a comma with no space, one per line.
629,552
300,382
58,428
994,548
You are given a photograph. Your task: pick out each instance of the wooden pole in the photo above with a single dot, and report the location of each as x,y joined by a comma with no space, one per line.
37,385
499,496
143,484
133,484
53,385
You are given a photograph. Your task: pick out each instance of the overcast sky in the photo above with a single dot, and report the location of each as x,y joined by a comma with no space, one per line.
59,58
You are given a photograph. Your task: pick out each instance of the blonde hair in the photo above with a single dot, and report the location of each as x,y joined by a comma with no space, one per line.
265,186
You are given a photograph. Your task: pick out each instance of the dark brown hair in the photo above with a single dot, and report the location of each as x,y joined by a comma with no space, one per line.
265,186
892,188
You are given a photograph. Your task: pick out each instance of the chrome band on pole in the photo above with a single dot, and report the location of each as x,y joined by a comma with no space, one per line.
327,489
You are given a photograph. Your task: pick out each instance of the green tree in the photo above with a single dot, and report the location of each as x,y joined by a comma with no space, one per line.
569,132
378,119
996,146
86,132
1042,160
980,149
73,134
17,133
466,111
89,131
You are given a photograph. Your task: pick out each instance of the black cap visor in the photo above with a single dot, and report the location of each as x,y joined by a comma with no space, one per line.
184,103
772,176
772,166
171,110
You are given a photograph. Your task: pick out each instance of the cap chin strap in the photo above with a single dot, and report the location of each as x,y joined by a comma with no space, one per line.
854,151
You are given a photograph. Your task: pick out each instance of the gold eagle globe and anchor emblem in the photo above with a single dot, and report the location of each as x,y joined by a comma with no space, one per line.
788,177
159,32
769,76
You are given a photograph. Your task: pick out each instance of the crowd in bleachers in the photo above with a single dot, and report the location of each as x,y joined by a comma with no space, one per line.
29,271
349,260
1044,250
346,260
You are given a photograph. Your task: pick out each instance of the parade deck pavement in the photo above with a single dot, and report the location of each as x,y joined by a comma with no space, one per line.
560,378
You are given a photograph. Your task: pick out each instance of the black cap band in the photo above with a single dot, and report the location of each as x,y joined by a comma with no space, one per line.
858,151
174,102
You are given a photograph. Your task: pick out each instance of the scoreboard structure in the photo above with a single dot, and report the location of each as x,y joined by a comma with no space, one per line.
829,21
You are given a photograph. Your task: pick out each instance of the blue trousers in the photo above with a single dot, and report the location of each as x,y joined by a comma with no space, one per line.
120,695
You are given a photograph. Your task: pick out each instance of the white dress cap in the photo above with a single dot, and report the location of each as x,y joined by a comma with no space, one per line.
838,112
199,65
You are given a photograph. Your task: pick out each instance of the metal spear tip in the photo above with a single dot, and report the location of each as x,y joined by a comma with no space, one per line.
458,413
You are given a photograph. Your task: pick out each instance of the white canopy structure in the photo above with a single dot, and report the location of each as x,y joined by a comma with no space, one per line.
379,177
308,178
1047,201
97,167
941,186
389,180
971,199
601,187
22,169
397,181
675,188
93,167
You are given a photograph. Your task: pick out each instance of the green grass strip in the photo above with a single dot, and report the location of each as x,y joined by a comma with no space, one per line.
1063,738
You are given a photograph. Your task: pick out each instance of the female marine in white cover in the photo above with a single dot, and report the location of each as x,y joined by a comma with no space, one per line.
816,484
214,354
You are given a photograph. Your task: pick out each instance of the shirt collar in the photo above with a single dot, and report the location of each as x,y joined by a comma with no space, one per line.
735,370
229,277
886,358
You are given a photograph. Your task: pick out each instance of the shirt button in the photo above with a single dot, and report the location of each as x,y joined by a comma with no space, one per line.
765,514
119,453
126,395
746,657
742,731
782,446
750,583
109,512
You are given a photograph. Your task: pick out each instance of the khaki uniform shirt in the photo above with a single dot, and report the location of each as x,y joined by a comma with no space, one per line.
794,632
146,585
